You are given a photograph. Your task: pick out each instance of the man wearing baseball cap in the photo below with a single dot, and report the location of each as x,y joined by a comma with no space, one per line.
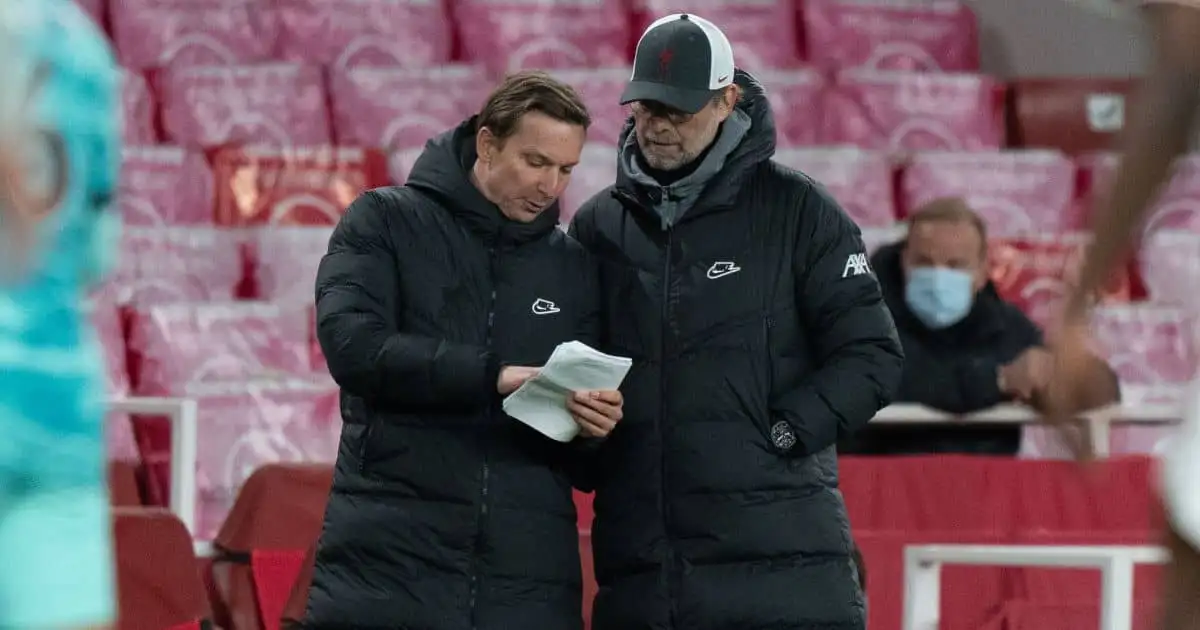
759,337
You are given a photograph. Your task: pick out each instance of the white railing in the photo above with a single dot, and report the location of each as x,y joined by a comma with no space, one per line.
1099,421
923,563
182,414
923,569
184,436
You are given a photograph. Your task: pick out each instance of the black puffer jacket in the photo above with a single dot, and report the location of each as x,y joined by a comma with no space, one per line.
759,337
445,513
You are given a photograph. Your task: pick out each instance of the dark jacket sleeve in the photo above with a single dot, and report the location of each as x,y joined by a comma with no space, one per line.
368,355
585,452
964,386
968,384
857,355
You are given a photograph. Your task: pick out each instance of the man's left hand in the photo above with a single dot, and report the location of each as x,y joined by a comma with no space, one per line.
596,412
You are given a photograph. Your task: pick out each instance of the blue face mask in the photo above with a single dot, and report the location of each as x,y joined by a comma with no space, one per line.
939,296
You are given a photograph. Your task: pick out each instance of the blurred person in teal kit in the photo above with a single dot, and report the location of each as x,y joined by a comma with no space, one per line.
59,137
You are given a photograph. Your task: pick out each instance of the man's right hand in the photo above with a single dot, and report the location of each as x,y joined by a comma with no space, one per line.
514,376
1027,374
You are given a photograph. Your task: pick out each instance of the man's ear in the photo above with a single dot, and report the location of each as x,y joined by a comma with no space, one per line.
485,144
729,100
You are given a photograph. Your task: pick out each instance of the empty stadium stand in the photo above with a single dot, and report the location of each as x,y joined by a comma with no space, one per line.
925,37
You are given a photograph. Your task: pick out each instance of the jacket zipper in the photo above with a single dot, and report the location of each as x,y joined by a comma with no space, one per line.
363,450
768,327
364,446
663,409
485,473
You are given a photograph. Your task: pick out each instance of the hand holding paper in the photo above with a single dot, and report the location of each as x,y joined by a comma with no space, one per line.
542,401
596,412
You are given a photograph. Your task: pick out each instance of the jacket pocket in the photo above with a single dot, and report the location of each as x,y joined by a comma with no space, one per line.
757,412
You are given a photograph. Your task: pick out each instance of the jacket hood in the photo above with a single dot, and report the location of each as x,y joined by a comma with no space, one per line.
890,272
442,172
756,145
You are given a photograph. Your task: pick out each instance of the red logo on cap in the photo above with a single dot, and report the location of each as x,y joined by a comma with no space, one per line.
664,62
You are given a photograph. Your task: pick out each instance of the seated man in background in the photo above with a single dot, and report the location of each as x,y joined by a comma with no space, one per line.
966,348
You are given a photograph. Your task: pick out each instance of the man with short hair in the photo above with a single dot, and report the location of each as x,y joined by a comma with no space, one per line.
965,348
435,300
759,337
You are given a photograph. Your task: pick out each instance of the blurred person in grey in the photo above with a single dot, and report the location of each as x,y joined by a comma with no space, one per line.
437,299
759,338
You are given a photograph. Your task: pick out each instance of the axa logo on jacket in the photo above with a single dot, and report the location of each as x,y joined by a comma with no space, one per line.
856,265
939,296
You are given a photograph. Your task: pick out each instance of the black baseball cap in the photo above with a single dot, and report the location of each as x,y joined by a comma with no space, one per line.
681,60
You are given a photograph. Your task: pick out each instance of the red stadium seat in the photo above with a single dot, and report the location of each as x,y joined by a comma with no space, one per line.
178,264
297,602
123,484
1015,192
1147,344
1033,273
174,347
1177,206
262,544
1170,262
797,97
276,104
763,34
162,33
596,171
179,349
909,111
137,110
110,332
507,35
158,584
275,574
266,186
285,260
371,32
245,426
600,89
927,36
1072,115
861,181
163,186
367,112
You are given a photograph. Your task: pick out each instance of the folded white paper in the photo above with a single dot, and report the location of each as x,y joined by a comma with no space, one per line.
574,366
